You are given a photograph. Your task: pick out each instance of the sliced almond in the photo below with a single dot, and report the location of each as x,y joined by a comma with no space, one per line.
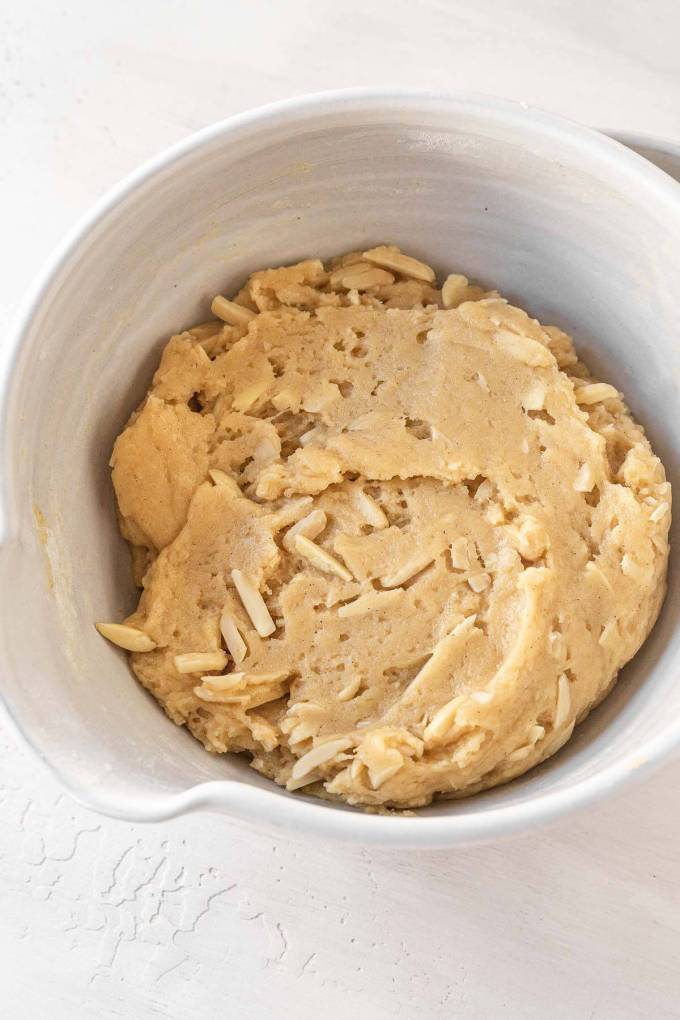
205,330
463,553
593,393
285,400
130,638
226,682
290,512
200,662
253,679
320,558
594,571
370,602
535,734
298,784
633,569
534,397
239,698
319,755
523,348
454,290
224,480
563,705
253,603
229,311
659,512
610,636
360,276
350,689
443,719
309,527
479,582
232,637
406,571
392,258
585,479
371,510
244,399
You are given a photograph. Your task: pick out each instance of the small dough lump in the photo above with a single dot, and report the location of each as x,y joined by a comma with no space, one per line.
394,541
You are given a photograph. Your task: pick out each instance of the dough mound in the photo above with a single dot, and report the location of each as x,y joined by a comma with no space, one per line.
428,538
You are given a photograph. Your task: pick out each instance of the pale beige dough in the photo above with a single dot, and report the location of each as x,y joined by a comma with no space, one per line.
488,532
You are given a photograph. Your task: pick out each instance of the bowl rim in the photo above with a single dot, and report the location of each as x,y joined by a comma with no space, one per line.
263,806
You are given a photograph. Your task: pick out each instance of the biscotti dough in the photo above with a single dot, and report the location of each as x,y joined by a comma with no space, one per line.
394,541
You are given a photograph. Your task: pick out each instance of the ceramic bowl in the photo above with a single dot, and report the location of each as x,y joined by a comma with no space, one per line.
566,222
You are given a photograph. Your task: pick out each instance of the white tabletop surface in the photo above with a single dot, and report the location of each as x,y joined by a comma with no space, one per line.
204,917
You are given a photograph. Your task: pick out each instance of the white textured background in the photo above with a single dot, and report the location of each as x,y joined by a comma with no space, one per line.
205,918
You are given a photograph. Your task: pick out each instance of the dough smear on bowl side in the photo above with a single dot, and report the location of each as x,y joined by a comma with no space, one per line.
394,541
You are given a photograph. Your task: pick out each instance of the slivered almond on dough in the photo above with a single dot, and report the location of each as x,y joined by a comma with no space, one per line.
370,602
371,510
463,553
585,479
390,258
267,678
297,784
454,290
206,330
224,480
226,682
253,603
199,662
285,400
350,689
130,638
309,527
320,558
594,571
535,734
308,437
633,568
253,689
534,397
610,638
460,633
291,512
238,697
232,637
563,706
406,571
244,399
229,311
659,512
531,352
360,276
443,719
593,393
319,755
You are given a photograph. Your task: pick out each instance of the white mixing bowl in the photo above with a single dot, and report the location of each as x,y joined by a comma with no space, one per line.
570,224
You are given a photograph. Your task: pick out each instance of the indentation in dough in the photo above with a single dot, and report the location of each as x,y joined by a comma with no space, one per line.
417,428
541,415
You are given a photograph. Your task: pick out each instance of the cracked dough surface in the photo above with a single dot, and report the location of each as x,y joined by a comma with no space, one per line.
483,546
